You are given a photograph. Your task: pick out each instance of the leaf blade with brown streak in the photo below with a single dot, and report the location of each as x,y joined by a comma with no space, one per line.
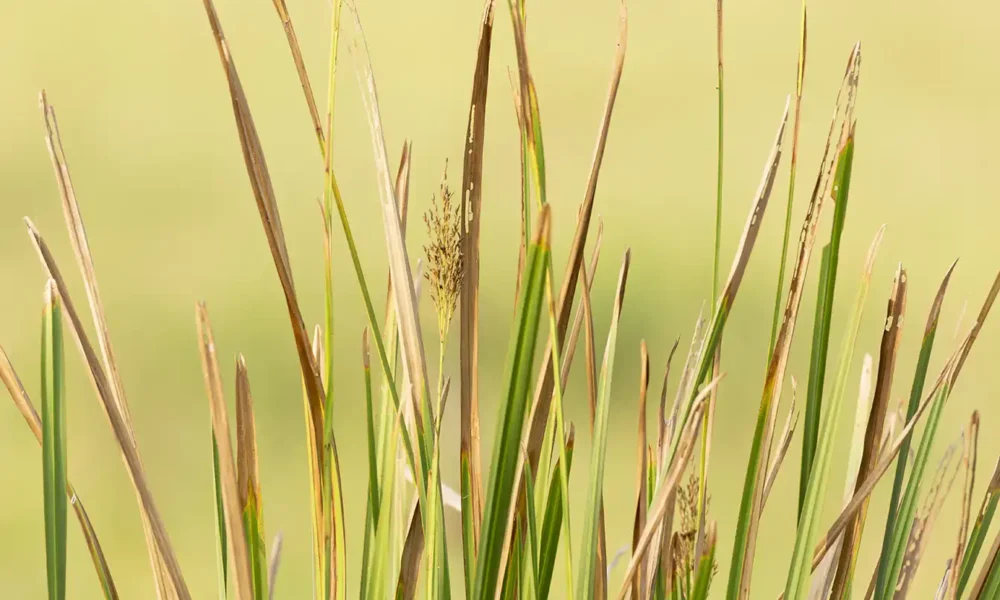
471,215
891,335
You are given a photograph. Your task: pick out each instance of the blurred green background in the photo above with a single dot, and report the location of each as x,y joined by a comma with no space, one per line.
149,132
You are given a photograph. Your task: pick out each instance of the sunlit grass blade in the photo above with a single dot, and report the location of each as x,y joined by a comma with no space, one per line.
248,482
238,551
594,502
891,335
13,384
720,142
54,443
373,502
501,490
161,551
979,530
797,585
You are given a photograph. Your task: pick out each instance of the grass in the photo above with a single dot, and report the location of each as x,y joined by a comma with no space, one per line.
515,508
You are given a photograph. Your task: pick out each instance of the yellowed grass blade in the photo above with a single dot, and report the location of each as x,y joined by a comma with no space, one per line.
642,467
300,69
239,556
784,441
404,295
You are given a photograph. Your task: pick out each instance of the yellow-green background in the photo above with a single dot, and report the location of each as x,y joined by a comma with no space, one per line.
149,132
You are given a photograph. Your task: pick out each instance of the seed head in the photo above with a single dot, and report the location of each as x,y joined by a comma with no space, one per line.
444,253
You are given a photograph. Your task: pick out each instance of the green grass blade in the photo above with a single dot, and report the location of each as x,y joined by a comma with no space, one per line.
552,525
220,522
799,81
54,443
592,511
706,568
719,162
987,584
916,393
501,488
979,530
797,585
824,316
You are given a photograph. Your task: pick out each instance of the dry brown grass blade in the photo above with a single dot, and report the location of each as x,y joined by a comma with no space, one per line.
413,548
658,511
969,458
471,212
574,333
661,413
404,294
247,469
891,335
81,248
543,391
260,181
684,385
23,402
161,551
642,467
941,485
402,188
239,558
978,325
783,443
300,69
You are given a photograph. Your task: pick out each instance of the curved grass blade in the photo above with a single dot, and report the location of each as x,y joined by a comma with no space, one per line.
797,585
54,443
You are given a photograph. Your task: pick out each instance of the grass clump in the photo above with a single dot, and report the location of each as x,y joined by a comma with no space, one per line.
515,509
